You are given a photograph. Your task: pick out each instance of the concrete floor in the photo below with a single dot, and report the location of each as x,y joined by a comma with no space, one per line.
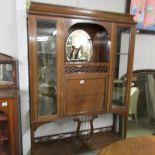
142,128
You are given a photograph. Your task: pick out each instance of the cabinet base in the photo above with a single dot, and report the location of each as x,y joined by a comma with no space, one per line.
71,145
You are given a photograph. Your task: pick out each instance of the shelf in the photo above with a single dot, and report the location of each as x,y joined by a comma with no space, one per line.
3,138
3,118
47,85
4,150
122,53
46,53
3,129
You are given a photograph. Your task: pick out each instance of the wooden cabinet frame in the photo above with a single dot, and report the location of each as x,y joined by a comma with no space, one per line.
33,70
10,128
67,20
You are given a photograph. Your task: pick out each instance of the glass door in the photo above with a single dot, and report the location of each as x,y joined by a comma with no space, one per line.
44,66
122,67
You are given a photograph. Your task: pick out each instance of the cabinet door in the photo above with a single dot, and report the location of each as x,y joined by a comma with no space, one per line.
122,66
4,129
85,94
45,42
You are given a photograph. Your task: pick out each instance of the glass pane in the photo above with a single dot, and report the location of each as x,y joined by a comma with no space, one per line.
144,81
46,52
6,73
79,46
120,66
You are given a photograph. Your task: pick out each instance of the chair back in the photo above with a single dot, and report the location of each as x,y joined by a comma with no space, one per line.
133,100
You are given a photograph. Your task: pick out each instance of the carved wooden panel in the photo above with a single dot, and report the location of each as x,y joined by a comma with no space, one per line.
85,95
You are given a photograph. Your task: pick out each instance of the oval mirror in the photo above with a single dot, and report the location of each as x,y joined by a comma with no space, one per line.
78,46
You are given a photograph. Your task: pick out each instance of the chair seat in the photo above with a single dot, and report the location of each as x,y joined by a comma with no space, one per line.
143,145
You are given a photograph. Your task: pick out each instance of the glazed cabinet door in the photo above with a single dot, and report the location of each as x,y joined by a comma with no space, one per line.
122,67
45,43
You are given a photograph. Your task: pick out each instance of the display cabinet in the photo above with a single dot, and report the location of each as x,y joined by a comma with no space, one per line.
77,59
10,143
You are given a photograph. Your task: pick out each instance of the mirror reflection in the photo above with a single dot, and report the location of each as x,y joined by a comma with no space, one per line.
78,46
46,73
121,66
5,73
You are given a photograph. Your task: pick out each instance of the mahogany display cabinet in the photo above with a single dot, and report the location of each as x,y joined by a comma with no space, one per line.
10,138
77,61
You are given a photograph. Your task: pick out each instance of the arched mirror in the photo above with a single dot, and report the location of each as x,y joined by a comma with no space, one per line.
78,46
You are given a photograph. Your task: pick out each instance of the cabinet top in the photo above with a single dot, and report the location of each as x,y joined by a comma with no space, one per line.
6,58
65,11
8,73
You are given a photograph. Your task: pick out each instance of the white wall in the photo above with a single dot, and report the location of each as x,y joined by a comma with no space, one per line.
144,52
8,37
13,41
23,73
106,5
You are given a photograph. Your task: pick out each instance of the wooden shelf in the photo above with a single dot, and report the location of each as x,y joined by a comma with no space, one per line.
3,118
3,138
